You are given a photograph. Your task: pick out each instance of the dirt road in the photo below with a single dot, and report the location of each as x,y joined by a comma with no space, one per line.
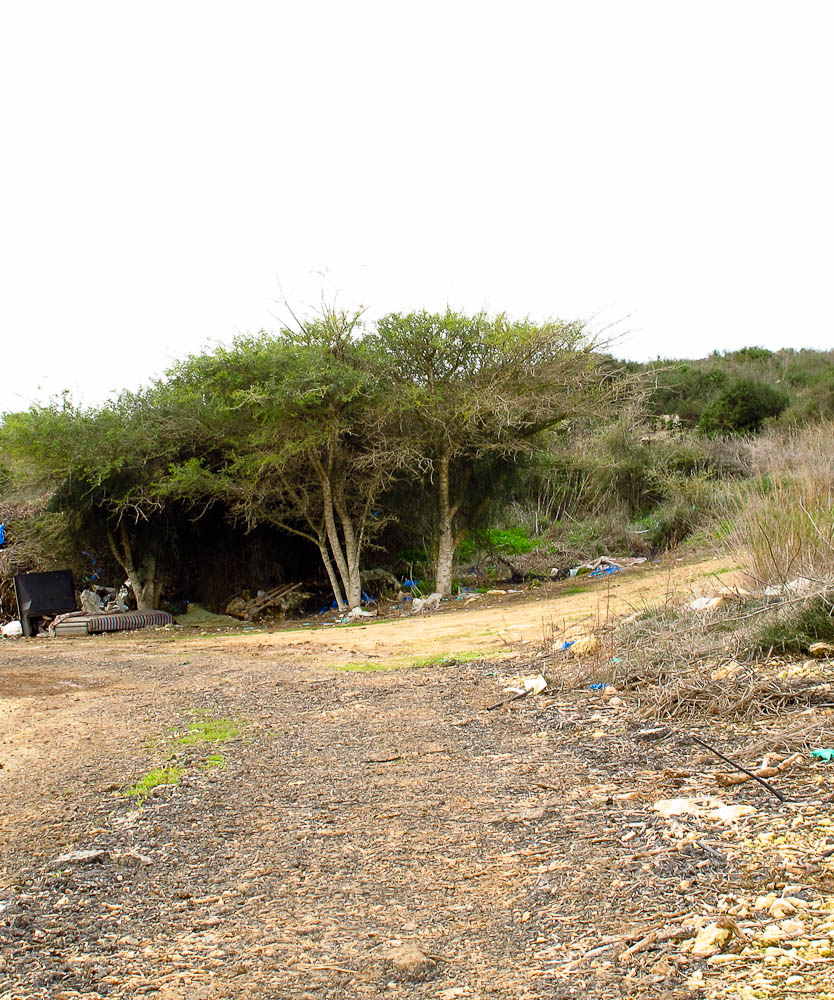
352,813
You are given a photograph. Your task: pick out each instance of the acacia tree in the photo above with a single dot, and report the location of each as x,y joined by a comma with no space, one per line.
298,437
94,465
469,387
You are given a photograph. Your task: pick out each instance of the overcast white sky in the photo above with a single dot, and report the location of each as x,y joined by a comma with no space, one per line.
664,165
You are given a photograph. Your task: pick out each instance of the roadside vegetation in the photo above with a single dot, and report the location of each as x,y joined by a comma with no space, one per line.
448,450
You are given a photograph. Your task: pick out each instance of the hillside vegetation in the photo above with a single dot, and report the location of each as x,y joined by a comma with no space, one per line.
448,449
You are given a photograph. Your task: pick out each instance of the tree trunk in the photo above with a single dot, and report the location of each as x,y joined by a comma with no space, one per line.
331,572
333,534
144,585
353,587
445,532
141,579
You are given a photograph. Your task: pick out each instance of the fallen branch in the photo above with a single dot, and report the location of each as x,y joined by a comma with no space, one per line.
740,767
729,780
506,701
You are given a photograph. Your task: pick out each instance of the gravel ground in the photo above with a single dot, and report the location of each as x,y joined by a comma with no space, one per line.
355,817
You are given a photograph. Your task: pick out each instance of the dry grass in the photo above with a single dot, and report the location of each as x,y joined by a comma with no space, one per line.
784,525
674,665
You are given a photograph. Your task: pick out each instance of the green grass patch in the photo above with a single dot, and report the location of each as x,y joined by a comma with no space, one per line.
413,662
157,776
207,729
573,590
213,760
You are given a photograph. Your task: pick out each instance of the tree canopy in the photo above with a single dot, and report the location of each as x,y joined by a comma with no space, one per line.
314,429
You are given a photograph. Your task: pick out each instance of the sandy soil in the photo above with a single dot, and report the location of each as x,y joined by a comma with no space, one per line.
356,812
491,623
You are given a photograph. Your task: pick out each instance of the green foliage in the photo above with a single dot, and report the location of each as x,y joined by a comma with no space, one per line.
794,628
510,541
206,729
742,408
687,388
143,788
415,662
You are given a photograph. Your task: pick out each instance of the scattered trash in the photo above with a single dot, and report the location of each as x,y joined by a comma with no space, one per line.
824,753
78,623
799,585
520,688
566,645
599,686
534,684
11,630
709,808
584,644
286,597
91,603
603,566
360,613
197,616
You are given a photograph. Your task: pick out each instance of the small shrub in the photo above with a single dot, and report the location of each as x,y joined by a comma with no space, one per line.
792,629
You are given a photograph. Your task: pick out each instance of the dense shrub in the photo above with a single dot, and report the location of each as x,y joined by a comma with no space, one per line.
742,408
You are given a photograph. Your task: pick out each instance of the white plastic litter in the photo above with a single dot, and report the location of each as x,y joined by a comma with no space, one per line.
12,629
800,585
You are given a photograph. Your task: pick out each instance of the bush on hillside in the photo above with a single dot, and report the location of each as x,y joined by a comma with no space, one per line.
742,408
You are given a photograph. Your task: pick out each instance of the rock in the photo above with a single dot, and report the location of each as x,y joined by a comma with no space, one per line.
729,814
780,908
821,649
410,962
88,857
727,671
710,940
793,929
677,807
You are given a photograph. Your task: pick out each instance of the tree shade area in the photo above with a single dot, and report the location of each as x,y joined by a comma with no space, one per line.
337,442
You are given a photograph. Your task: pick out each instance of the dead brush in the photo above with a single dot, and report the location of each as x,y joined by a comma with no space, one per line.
816,729
746,696
670,658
